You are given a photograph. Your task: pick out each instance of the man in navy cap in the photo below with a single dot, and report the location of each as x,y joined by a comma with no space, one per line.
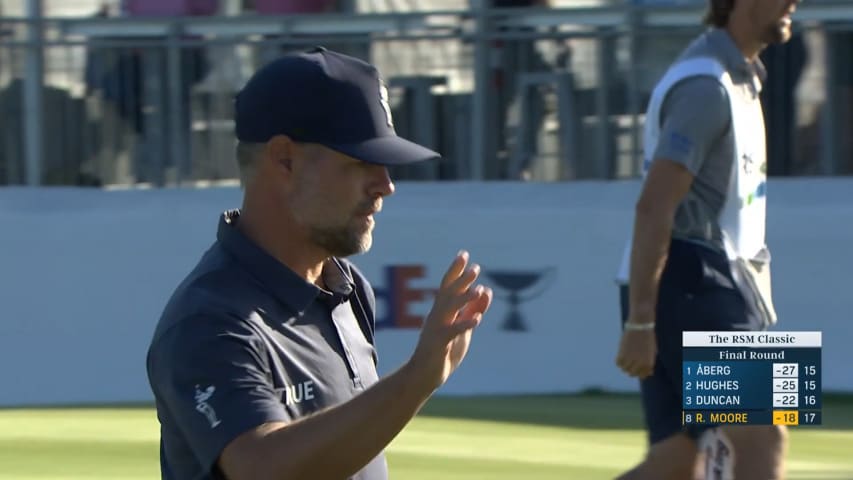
263,363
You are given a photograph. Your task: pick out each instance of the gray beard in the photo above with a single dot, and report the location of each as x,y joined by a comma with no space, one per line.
340,242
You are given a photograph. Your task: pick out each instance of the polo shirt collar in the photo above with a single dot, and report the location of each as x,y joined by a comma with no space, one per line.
733,58
282,282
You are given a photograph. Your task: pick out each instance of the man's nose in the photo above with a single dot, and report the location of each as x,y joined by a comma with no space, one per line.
382,185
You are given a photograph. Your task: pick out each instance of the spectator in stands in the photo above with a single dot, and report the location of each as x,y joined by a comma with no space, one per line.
194,66
285,7
295,43
169,8
517,148
126,75
281,45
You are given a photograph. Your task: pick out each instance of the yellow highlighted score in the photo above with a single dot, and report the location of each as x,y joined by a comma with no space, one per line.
786,417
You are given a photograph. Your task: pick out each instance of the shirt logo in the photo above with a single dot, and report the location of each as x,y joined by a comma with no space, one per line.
204,408
299,393
680,143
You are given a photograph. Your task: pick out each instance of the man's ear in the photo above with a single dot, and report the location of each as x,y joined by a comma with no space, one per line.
279,154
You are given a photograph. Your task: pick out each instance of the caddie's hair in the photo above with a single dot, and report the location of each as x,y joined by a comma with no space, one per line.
718,12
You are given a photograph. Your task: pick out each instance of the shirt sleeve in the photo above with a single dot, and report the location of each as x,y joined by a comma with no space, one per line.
210,376
695,114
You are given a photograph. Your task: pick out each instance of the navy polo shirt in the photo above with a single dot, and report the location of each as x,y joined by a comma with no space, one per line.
245,341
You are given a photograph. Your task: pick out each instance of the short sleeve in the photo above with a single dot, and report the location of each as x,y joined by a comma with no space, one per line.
695,114
209,374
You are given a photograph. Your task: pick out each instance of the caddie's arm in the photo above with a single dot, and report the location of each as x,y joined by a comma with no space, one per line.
694,119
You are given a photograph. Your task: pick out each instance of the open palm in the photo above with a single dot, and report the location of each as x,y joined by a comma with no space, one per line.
458,309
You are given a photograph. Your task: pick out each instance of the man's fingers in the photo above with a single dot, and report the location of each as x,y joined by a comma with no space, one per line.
641,369
457,303
634,368
636,356
474,300
465,311
466,279
628,367
455,269
622,357
644,370
466,324
478,304
620,362
446,307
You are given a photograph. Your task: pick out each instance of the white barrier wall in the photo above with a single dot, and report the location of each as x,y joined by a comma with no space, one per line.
84,275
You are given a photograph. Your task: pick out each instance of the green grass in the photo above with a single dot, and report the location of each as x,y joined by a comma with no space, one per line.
546,437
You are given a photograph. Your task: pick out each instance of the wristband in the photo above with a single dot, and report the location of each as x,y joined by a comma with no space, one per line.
639,327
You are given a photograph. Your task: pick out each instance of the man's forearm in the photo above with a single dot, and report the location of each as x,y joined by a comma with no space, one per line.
652,231
337,442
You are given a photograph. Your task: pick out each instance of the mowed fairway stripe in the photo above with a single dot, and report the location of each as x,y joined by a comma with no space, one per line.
77,444
122,443
418,467
137,424
495,441
817,454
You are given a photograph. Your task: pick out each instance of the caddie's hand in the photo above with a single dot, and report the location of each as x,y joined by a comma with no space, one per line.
458,308
638,347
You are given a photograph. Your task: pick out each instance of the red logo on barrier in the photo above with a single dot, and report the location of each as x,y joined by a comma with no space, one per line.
400,295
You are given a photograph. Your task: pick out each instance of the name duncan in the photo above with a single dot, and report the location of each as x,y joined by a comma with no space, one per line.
717,399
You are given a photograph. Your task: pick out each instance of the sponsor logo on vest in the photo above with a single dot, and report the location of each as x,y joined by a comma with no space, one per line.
760,191
748,164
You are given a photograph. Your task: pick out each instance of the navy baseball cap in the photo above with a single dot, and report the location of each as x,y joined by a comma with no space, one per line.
328,98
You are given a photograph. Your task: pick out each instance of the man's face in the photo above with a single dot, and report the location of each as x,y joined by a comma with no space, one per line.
772,19
334,198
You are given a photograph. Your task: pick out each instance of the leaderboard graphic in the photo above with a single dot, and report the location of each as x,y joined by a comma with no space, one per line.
751,378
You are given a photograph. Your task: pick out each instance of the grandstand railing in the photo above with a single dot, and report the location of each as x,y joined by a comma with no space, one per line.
609,68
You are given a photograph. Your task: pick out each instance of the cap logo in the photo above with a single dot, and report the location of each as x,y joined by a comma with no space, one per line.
383,100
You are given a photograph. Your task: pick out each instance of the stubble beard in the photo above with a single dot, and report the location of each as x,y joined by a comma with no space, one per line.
342,241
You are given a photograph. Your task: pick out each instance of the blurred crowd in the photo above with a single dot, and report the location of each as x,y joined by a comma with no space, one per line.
130,110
